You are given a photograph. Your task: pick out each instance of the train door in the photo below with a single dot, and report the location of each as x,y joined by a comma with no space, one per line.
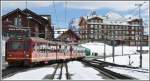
26,52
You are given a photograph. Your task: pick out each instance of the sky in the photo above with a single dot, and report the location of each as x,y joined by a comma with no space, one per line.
76,9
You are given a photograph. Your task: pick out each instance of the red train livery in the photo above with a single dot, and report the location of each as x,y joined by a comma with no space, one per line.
30,50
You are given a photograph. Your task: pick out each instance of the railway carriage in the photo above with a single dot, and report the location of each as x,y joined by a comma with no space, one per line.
30,50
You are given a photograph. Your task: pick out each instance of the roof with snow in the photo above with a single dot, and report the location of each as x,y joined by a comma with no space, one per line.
59,31
111,18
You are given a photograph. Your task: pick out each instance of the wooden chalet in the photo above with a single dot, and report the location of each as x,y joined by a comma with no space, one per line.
26,23
68,36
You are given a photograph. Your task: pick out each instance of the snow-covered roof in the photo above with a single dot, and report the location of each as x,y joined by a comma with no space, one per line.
45,17
113,16
110,18
56,35
89,17
115,22
60,30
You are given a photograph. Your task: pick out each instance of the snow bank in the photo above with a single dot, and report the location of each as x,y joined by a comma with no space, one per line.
37,74
80,72
99,48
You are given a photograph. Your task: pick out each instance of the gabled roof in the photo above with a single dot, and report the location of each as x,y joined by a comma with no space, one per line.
14,11
33,13
91,17
26,11
69,30
56,35
81,20
97,17
133,20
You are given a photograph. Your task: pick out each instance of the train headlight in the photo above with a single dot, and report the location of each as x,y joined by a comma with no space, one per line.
27,55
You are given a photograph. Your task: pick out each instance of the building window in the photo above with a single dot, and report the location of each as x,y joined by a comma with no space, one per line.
116,32
91,26
136,28
132,32
133,28
85,36
7,19
17,21
99,36
92,36
91,21
127,32
100,26
91,31
95,26
132,37
96,37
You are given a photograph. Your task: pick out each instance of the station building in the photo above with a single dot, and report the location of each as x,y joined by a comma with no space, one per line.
27,23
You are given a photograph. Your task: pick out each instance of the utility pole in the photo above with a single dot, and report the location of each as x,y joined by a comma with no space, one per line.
105,46
113,51
56,51
137,38
28,20
141,32
122,44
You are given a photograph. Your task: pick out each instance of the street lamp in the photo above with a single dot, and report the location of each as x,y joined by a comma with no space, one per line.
141,33
137,38
122,46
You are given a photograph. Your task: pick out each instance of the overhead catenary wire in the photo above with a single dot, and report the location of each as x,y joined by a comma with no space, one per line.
65,12
141,33
54,7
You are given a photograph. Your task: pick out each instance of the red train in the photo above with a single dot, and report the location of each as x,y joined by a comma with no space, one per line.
32,50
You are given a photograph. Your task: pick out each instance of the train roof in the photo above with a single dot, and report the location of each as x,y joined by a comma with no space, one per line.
37,39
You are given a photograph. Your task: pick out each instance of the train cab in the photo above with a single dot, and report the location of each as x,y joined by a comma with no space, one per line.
17,50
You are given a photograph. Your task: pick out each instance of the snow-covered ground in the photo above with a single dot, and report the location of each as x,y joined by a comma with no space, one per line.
99,48
123,60
77,70
136,73
141,74
80,72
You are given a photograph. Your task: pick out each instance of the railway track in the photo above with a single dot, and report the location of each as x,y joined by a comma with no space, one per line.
60,71
108,73
112,64
11,70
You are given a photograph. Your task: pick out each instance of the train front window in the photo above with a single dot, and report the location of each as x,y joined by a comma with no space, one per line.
16,45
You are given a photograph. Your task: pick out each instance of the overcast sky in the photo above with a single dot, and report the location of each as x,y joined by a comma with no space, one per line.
76,9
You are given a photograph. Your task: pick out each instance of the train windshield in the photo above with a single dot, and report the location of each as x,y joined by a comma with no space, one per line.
16,45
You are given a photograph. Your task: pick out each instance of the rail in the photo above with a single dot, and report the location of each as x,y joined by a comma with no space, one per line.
106,72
